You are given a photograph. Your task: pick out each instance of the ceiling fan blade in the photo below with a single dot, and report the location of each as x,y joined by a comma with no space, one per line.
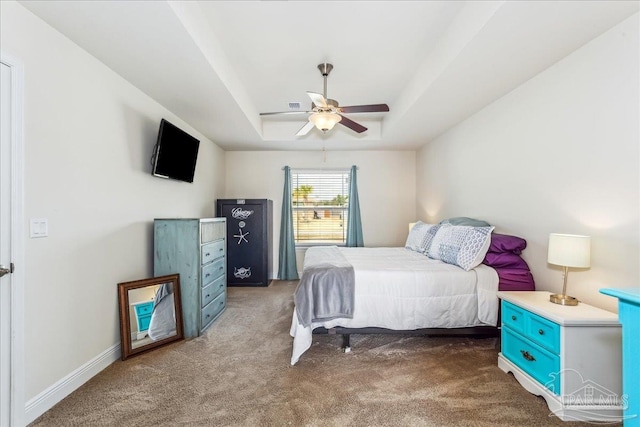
373,108
318,99
351,124
285,112
305,129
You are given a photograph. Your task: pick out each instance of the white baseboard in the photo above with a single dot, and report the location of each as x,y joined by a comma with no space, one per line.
61,389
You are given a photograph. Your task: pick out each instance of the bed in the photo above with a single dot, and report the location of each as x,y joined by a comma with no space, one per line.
421,286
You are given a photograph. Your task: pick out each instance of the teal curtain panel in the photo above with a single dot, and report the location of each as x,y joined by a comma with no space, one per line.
287,267
354,224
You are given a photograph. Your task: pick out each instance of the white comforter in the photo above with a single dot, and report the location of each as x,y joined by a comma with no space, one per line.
400,289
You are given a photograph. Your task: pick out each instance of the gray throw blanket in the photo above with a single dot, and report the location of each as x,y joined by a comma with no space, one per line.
327,287
164,290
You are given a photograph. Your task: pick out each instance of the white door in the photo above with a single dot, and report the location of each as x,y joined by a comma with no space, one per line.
5,254
11,295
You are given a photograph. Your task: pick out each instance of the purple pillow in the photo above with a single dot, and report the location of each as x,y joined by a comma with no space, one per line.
515,280
501,243
505,260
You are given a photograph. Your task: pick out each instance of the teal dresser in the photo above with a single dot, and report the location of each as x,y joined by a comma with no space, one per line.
568,355
629,312
196,250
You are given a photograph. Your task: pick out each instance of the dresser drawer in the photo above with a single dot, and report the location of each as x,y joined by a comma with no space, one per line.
215,307
212,251
210,231
212,271
513,316
543,332
212,290
532,359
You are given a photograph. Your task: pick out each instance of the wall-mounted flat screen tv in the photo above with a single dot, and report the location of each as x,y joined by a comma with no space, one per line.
175,153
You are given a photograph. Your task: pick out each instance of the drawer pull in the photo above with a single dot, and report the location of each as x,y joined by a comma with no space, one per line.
527,356
221,303
540,331
208,315
207,254
221,267
513,317
207,296
207,275
221,249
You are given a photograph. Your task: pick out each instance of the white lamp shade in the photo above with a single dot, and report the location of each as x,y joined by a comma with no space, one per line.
569,250
325,121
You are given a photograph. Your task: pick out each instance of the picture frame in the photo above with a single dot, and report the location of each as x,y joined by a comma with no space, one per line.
150,314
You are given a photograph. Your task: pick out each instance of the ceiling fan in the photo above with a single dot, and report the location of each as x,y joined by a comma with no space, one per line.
325,112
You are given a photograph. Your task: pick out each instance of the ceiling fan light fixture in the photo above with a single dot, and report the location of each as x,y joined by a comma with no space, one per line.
325,121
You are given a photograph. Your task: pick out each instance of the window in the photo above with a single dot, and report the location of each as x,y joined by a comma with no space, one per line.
320,204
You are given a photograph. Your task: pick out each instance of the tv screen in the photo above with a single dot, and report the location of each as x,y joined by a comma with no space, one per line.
176,153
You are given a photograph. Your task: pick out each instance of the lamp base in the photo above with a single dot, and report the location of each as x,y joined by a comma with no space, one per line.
563,299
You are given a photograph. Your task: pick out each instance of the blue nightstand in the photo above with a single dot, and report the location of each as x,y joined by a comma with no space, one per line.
629,312
143,312
569,355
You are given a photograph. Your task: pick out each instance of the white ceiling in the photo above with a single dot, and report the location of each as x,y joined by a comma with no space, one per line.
218,64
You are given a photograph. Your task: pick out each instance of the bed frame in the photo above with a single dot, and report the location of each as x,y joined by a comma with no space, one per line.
476,331
471,331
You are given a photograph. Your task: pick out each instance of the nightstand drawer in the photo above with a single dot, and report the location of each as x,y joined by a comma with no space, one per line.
144,308
143,322
212,251
543,332
513,316
532,359
538,329
212,271
213,290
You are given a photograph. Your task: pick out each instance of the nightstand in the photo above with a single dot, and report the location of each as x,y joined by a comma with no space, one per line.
569,355
143,312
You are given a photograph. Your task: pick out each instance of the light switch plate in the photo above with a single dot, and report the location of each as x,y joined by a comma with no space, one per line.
38,227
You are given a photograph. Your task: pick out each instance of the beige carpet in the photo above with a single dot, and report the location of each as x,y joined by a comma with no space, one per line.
238,374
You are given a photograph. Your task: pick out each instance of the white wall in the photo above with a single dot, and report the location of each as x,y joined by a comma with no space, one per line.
88,140
558,154
386,187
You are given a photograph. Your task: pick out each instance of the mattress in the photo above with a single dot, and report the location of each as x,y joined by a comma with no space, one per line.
399,289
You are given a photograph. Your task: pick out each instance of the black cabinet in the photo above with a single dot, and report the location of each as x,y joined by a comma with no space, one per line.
249,240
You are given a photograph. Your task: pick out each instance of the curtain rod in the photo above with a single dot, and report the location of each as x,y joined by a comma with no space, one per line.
322,169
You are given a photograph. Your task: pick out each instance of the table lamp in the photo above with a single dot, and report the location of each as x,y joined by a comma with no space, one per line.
568,250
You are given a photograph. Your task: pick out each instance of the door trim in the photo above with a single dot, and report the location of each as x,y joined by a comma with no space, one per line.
17,239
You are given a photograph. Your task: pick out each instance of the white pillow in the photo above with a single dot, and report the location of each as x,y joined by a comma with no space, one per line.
420,237
461,245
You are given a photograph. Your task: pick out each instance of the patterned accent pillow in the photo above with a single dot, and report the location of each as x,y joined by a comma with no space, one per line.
420,237
461,245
